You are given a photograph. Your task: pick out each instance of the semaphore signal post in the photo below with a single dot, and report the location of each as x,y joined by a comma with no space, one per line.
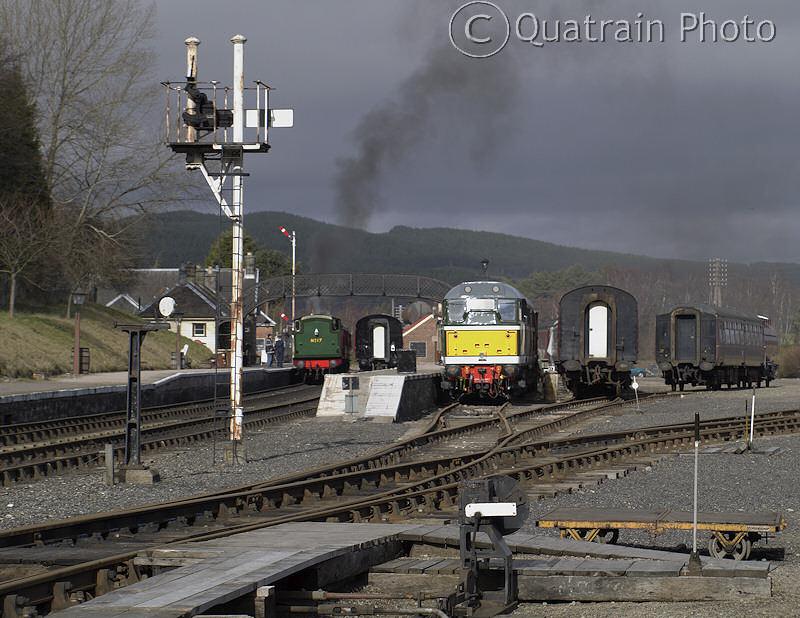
215,137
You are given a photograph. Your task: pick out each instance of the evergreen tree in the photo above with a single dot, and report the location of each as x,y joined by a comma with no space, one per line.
25,208
270,263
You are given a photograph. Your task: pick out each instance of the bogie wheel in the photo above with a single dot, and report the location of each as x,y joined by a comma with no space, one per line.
741,551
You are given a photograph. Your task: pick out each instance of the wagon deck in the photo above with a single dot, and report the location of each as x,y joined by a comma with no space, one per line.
733,533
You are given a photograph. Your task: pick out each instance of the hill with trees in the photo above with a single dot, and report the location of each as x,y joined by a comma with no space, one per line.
542,270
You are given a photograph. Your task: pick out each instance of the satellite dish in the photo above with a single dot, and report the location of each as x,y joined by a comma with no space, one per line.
166,306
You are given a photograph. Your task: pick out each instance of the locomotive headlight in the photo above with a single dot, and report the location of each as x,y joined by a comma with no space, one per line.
622,366
334,362
510,370
299,364
452,371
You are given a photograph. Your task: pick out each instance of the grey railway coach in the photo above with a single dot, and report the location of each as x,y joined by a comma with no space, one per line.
598,339
710,346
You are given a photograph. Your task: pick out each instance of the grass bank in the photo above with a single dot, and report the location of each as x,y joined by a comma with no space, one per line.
42,342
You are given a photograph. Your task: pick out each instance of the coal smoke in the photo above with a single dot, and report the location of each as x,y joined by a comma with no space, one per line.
450,90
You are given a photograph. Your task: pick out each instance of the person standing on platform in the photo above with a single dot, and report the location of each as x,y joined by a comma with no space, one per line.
279,349
269,351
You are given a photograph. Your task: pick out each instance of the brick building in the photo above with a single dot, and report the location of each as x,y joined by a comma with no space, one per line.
423,338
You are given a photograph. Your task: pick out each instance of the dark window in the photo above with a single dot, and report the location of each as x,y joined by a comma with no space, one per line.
507,310
455,311
419,347
198,329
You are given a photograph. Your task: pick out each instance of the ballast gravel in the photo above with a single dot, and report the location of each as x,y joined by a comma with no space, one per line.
186,471
726,482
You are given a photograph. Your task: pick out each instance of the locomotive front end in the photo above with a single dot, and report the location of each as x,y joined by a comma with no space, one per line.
488,339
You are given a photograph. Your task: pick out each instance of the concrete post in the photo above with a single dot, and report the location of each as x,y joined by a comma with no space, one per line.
109,460
191,71
237,317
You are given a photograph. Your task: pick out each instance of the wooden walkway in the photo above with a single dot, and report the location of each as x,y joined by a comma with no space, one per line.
206,574
213,572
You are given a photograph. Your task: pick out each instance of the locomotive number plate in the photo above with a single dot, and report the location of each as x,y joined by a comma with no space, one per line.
315,340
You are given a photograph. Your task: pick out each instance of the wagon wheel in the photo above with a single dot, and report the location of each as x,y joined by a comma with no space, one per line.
607,536
740,551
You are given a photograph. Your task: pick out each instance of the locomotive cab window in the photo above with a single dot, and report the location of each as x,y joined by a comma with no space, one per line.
297,326
455,310
507,310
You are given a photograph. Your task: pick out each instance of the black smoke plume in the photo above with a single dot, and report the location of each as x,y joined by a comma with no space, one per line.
450,90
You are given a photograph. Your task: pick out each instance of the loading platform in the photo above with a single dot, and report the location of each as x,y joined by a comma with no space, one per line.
251,568
732,533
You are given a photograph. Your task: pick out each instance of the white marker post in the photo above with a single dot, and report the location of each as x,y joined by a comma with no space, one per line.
694,558
752,420
635,387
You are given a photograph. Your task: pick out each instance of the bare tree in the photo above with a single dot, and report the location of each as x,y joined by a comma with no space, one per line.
90,69
28,231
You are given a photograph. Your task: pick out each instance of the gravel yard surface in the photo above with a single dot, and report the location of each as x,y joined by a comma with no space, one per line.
276,451
781,395
748,482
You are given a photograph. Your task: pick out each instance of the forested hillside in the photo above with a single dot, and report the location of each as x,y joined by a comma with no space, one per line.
542,270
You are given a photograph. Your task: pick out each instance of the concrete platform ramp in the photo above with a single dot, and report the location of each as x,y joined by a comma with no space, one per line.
380,395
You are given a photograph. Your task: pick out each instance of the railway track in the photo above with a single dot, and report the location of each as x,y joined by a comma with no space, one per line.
394,483
34,450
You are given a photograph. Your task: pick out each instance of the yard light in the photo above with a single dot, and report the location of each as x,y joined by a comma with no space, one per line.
78,298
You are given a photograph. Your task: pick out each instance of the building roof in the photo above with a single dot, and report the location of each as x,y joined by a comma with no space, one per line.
191,301
412,327
146,284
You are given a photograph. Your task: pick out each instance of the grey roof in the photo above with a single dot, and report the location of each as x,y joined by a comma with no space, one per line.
483,289
191,300
720,312
597,288
145,286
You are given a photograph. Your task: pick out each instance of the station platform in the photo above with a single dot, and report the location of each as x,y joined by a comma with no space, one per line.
23,401
92,381
232,571
384,394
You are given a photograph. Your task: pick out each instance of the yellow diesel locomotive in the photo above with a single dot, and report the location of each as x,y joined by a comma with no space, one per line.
488,341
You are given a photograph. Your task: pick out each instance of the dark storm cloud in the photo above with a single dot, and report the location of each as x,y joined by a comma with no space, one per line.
669,149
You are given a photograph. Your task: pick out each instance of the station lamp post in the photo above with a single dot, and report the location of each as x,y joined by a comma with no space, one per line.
78,298
177,315
293,238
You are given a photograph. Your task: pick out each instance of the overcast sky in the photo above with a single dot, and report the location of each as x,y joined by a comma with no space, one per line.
683,149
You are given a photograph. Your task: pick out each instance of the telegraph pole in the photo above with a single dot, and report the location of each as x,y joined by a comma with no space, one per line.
198,127
717,279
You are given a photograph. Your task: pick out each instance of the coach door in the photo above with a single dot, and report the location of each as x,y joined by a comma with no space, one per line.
379,341
685,338
598,330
